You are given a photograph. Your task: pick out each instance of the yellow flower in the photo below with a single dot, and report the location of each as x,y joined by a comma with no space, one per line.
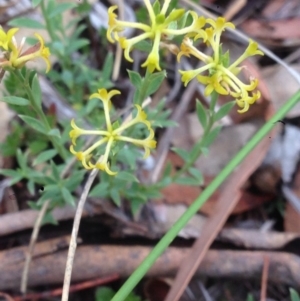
162,26
6,38
110,136
220,76
13,55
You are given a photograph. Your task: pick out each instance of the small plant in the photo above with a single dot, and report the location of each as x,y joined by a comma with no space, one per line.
105,140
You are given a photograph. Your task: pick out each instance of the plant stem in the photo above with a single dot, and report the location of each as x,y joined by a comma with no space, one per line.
198,150
166,240
24,81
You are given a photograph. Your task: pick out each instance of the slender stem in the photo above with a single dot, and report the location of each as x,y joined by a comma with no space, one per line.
39,112
73,242
198,150
48,24
201,143
138,274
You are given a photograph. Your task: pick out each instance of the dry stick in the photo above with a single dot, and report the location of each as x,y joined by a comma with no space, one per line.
234,9
73,241
264,279
33,239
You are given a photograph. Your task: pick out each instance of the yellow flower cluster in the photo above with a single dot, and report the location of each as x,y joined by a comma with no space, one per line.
220,76
110,136
163,26
13,55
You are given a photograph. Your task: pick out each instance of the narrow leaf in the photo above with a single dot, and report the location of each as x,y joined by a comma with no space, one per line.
201,113
210,138
135,78
60,8
27,23
54,133
36,91
14,100
185,155
126,176
67,196
294,295
34,123
100,190
44,156
155,81
187,181
224,110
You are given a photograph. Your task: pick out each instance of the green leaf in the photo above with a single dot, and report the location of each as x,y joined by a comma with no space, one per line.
210,138
10,173
51,191
22,160
75,45
71,183
167,170
30,187
115,195
67,196
104,294
108,66
135,78
225,58
100,190
126,176
55,172
182,22
91,105
143,46
185,155
36,91
201,113
187,181
14,100
34,123
294,295
60,8
54,133
251,298
44,156
37,146
224,110
49,219
155,80
27,23
196,173
156,7
35,3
